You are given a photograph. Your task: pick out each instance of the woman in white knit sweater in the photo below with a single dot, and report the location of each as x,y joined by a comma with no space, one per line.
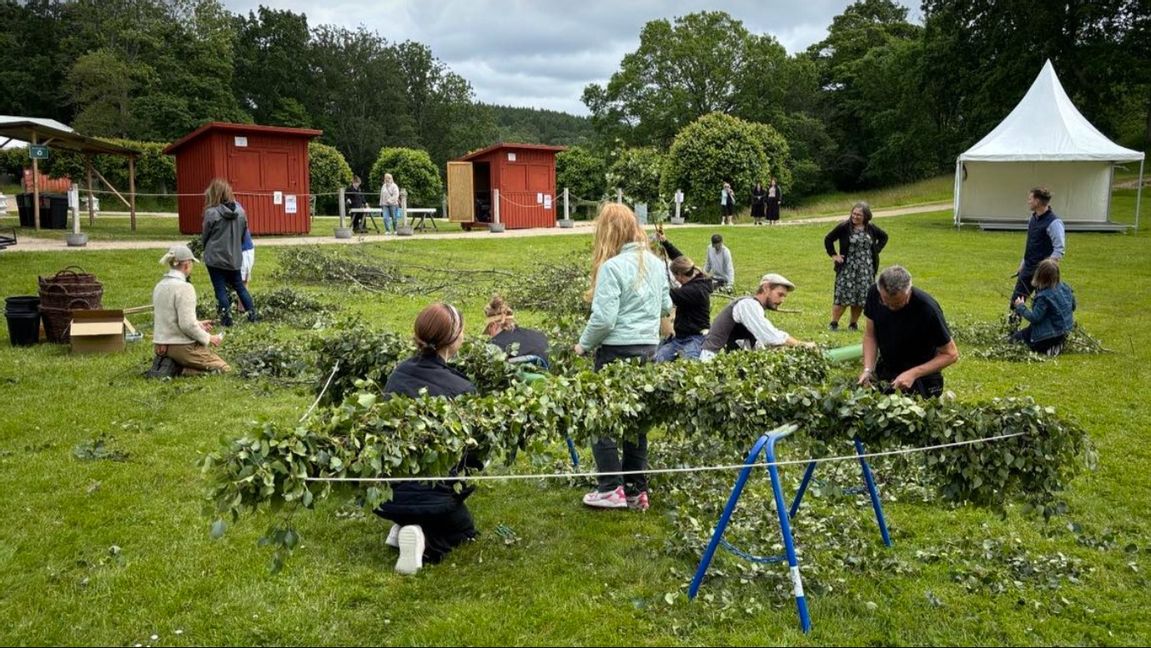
177,333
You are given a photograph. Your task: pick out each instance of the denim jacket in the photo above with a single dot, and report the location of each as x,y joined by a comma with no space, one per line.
1050,312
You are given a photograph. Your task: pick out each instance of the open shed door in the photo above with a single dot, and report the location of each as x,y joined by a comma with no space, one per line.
461,193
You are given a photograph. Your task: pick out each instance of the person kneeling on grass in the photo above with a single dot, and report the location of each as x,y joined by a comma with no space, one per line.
430,517
179,337
1050,313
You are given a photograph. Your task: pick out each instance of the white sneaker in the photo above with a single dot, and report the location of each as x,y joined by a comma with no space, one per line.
411,541
393,537
615,499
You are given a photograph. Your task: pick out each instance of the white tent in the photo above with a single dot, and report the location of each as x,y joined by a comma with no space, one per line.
1045,141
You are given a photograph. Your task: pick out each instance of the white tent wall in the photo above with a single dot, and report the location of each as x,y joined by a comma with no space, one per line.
1081,191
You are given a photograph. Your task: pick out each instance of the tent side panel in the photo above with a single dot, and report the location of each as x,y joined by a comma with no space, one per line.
998,190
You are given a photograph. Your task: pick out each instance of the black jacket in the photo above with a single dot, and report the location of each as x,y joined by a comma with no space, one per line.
427,498
843,233
692,300
355,197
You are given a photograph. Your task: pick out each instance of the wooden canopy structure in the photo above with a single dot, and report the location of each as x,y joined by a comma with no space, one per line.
53,134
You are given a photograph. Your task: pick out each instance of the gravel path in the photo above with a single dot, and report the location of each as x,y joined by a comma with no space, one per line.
31,244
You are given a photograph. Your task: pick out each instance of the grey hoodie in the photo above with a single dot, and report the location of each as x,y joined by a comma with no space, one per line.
224,227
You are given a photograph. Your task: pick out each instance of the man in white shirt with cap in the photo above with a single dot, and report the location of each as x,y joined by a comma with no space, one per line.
742,325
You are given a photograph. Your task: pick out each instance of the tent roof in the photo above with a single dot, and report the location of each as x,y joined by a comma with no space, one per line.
1046,127
49,132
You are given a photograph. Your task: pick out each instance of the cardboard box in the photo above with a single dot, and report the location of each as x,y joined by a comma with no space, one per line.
97,331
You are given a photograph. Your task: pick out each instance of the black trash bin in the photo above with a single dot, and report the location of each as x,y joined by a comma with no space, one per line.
24,204
23,315
53,211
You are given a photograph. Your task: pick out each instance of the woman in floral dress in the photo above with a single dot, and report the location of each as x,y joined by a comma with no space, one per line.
860,243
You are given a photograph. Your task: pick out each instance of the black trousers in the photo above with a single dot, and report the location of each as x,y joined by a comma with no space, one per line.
442,531
1038,346
606,450
1023,287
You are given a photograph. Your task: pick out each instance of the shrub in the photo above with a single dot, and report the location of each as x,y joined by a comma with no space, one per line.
413,170
637,171
716,148
582,173
330,172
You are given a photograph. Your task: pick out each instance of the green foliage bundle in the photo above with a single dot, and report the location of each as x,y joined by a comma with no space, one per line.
312,264
260,355
411,169
330,173
723,404
989,340
717,148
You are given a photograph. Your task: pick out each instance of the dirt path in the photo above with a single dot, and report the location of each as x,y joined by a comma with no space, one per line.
31,244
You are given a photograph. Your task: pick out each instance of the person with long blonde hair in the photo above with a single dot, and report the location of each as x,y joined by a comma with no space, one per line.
629,295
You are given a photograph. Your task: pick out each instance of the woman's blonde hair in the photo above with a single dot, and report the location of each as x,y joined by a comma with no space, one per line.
1046,275
615,226
218,193
685,267
500,316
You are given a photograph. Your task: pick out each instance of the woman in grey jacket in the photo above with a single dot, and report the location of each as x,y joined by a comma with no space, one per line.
222,236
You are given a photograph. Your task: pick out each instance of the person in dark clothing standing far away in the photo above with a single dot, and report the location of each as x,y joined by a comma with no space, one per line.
742,325
531,346
907,334
1051,312
758,203
430,517
692,300
774,200
354,196
222,237
1046,239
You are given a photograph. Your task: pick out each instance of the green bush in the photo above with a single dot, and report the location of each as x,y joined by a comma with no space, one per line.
330,172
413,170
637,172
582,173
716,148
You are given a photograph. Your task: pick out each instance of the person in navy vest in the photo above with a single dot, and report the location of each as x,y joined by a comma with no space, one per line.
1045,240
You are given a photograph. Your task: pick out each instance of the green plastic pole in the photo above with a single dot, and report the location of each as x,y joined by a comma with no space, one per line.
844,354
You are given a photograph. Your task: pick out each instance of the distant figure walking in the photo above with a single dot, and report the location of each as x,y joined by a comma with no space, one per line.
389,203
774,200
727,202
222,237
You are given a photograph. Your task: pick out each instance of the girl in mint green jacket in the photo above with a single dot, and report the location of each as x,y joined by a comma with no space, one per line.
629,296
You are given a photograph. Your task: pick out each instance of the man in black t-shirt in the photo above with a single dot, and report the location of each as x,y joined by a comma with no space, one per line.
907,331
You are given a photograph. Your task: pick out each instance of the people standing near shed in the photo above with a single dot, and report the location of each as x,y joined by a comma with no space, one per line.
727,202
222,237
629,294
758,203
389,203
1046,239
354,198
774,200
860,243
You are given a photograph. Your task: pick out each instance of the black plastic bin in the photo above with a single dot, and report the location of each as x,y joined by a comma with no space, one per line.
23,328
24,203
22,304
53,211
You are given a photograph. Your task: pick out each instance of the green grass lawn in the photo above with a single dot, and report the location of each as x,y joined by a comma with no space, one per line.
112,552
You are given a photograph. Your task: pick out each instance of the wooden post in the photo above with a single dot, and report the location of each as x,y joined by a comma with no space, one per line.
495,205
91,198
35,187
567,205
619,195
132,189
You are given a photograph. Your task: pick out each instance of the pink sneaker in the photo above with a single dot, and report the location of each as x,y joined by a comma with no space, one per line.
610,500
638,502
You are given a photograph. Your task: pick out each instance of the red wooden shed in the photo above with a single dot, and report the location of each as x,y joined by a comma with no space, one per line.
267,167
524,174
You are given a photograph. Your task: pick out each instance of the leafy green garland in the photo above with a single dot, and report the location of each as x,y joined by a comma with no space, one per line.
722,405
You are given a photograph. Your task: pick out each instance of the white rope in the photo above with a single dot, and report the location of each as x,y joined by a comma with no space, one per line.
317,401
664,471
509,200
200,193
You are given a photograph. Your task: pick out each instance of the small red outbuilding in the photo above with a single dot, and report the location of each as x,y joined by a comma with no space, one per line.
524,174
267,167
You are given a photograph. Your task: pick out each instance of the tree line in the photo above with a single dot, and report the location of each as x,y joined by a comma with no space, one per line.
880,100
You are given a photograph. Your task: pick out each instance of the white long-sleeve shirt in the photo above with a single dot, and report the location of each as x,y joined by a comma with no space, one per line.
719,264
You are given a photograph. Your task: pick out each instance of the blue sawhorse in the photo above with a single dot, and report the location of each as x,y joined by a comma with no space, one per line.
766,445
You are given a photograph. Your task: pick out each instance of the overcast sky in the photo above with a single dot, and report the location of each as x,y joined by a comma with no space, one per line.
542,53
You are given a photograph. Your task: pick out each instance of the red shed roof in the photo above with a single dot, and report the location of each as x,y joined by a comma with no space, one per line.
246,128
505,145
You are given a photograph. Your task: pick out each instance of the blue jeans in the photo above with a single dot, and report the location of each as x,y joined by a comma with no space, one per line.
673,347
390,217
221,280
